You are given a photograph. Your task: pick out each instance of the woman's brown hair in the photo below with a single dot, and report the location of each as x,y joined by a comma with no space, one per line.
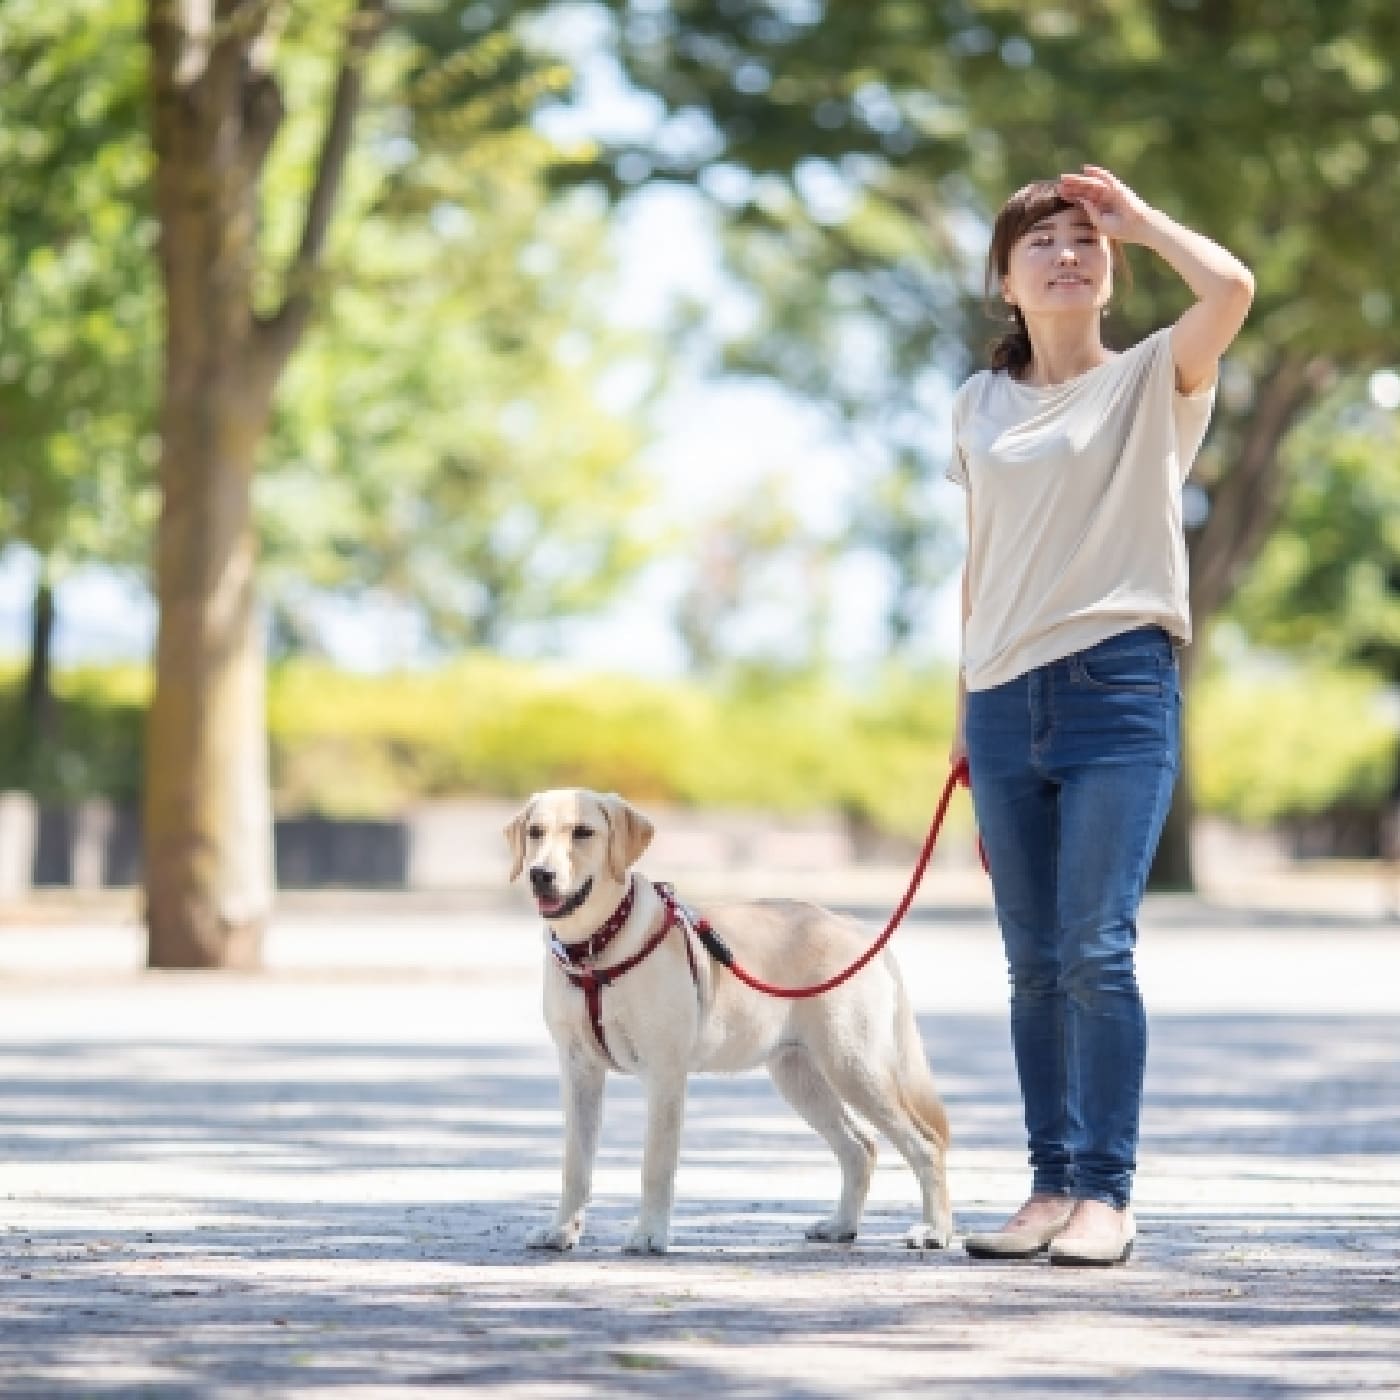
1028,206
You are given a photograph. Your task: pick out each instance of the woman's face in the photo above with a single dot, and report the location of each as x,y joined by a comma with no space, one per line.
1059,266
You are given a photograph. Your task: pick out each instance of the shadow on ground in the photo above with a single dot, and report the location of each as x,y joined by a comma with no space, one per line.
1270,1086
283,1286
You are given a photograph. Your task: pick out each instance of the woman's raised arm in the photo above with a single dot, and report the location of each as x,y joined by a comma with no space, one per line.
1223,285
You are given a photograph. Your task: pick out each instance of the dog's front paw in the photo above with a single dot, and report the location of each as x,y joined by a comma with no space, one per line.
926,1236
833,1230
643,1240
560,1237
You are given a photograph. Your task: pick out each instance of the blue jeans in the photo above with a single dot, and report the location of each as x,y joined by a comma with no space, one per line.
1072,767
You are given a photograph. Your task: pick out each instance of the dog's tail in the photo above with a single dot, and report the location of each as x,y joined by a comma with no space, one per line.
916,1086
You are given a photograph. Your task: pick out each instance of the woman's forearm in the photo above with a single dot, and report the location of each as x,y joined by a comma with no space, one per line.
1213,273
960,714
1224,289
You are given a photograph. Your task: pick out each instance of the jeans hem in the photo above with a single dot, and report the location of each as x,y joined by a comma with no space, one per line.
1117,1199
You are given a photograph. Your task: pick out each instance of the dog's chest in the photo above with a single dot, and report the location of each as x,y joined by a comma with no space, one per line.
631,1033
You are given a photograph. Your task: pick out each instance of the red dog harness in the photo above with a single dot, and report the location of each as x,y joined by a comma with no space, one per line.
592,980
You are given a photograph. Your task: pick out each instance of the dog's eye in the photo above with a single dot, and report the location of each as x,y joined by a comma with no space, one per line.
535,832
582,833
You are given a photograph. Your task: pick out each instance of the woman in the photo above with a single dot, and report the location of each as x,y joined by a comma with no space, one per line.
1074,593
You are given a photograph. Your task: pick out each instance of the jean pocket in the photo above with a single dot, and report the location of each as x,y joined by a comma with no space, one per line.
1126,673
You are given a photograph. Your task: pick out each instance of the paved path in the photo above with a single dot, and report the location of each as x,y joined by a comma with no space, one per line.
315,1182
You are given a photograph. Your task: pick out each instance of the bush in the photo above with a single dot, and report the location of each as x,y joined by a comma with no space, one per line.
98,741
1293,744
361,745
1264,748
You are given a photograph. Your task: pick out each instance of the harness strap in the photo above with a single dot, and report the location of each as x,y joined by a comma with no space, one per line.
688,920
591,980
593,946
593,999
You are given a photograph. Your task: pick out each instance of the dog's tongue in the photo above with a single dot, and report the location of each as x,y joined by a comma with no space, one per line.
548,906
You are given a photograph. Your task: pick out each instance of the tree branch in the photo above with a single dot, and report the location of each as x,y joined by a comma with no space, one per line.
1245,506
263,108
263,111
279,334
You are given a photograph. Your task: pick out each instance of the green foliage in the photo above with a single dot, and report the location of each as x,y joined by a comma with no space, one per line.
355,744
1296,743
79,346
859,151
97,750
1328,582
1264,746
441,438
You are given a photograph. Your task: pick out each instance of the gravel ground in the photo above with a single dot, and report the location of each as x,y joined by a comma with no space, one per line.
316,1181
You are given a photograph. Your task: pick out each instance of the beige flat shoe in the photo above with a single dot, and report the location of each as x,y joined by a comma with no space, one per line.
1017,1240
1097,1248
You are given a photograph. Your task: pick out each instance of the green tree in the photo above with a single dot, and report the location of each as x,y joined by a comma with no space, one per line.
244,269
757,556
1326,585
1268,128
456,455
216,110
243,189
78,318
860,151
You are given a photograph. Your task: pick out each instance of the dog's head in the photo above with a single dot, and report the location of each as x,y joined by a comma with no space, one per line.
575,843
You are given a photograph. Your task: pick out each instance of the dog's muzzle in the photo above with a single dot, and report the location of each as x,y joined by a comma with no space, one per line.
552,905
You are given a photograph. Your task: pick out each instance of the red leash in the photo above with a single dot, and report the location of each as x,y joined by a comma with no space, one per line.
721,952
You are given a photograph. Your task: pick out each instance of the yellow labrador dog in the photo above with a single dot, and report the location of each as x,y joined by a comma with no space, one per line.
629,986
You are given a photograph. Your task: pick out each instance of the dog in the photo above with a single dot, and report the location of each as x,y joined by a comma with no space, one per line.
848,1060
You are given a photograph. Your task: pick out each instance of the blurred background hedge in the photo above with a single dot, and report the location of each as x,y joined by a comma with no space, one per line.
1266,746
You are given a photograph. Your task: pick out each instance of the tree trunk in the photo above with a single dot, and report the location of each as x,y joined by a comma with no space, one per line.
208,812
208,842
1172,866
1244,507
39,711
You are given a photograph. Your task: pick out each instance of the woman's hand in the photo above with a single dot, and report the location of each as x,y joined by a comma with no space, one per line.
957,753
1113,209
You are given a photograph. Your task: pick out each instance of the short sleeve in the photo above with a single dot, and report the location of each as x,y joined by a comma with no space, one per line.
957,466
1190,413
957,459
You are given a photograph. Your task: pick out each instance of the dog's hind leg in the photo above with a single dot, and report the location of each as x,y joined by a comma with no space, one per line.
802,1083
876,1093
582,1080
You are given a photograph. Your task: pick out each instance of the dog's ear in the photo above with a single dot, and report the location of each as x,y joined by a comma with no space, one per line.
629,834
515,838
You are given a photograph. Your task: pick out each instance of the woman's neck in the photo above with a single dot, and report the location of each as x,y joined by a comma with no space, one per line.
1061,351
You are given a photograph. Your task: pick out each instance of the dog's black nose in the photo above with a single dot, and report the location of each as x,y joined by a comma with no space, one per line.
541,879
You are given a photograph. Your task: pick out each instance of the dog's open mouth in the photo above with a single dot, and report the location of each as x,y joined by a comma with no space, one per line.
560,907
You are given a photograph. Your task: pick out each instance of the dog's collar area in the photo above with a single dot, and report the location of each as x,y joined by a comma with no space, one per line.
591,980
594,945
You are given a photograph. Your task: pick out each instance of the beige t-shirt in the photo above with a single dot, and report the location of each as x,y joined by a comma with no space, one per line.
1076,507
